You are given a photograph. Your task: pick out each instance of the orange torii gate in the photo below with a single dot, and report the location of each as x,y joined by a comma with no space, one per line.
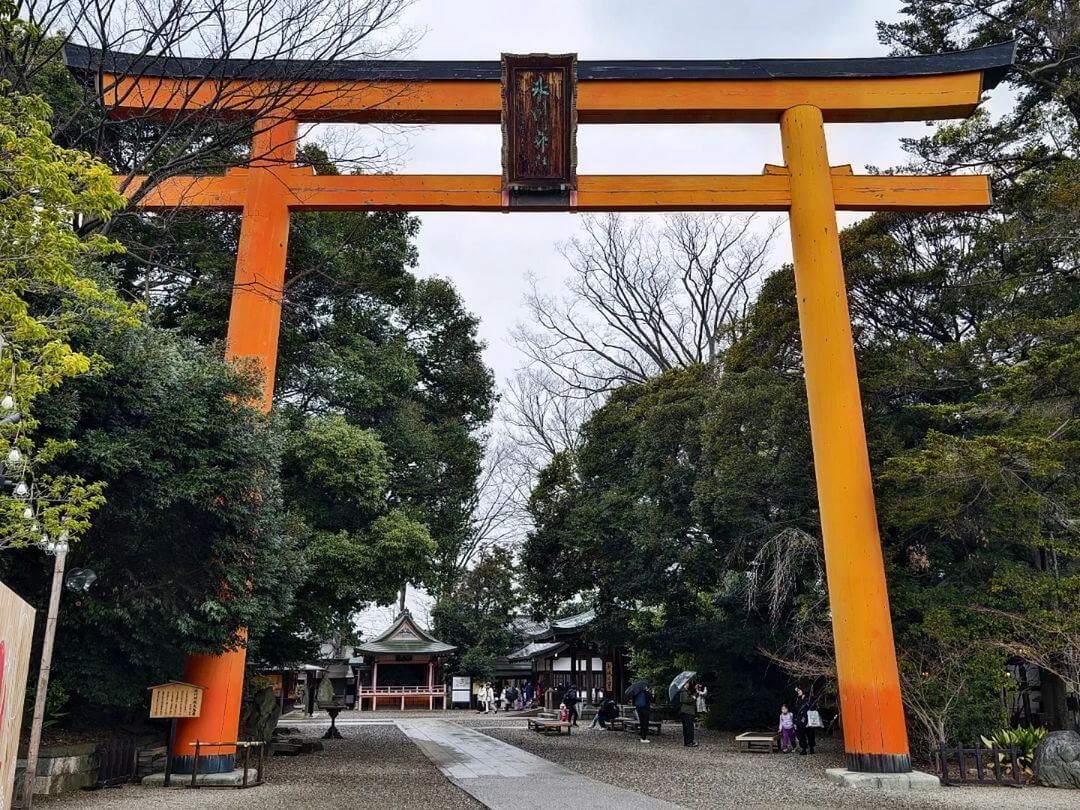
539,99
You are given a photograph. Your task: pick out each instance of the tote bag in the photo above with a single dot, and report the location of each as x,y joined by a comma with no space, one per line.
813,719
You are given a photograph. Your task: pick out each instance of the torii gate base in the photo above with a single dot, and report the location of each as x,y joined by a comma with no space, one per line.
539,100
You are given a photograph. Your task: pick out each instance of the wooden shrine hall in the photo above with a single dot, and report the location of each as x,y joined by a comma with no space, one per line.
405,663
539,100
563,652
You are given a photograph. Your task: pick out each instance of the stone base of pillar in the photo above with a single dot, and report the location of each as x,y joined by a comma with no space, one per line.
912,780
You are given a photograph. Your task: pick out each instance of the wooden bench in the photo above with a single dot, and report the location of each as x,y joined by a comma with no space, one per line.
543,726
766,741
631,724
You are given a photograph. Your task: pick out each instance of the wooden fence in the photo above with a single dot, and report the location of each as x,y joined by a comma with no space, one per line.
992,766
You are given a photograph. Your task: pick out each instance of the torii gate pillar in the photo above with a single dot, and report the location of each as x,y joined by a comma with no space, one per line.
875,737
254,325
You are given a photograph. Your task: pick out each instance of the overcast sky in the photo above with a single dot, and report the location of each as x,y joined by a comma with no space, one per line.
489,256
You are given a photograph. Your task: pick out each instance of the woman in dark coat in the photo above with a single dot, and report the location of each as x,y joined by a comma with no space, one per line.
805,734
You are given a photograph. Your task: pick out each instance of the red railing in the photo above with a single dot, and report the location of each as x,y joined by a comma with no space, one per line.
374,693
401,690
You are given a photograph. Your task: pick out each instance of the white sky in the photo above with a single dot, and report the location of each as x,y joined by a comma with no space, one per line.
489,256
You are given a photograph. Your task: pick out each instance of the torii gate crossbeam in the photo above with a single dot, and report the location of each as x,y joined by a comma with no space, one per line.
800,95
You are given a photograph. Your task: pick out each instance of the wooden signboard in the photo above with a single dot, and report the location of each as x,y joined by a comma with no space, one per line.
175,699
539,119
16,633
170,701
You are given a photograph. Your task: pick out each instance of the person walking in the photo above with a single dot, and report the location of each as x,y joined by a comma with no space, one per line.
642,701
572,700
701,693
807,720
687,713
787,730
489,697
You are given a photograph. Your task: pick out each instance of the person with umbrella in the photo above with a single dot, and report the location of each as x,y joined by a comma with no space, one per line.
679,691
687,714
639,695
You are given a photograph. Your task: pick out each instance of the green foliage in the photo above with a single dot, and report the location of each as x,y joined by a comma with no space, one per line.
381,390
1025,739
476,614
356,548
46,296
190,546
345,473
654,518
362,340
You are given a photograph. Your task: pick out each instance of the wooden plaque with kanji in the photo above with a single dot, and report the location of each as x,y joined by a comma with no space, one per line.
539,119
176,699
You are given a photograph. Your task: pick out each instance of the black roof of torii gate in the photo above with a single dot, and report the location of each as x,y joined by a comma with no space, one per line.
993,61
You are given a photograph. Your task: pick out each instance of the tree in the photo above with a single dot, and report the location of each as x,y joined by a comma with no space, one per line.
363,338
369,474
1047,34
631,523
192,544
476,615
356,549
48,293
202,133
638,302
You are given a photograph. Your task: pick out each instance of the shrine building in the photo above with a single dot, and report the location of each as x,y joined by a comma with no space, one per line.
405,666
564,652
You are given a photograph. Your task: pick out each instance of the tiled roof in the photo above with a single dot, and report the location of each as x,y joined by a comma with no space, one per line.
406,647
404,636
535,650
566,626
575,621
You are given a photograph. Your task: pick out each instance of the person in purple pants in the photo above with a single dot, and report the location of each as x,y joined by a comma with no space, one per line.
787,730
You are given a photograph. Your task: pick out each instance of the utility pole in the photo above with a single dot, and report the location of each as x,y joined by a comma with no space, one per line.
59,550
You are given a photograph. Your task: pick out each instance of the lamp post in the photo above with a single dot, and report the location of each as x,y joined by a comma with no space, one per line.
59,550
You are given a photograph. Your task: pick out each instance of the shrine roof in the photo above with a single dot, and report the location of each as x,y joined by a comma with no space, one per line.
536,649
565,627
993,61
404,636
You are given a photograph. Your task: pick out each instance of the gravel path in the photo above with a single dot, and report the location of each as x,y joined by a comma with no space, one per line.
716,775
374,766
377,766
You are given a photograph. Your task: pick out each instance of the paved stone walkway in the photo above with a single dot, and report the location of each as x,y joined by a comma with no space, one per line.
504,777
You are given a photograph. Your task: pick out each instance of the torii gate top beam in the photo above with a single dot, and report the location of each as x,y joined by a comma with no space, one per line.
908,88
